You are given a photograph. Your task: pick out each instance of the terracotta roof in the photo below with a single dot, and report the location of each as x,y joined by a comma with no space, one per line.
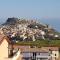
42,49
2,37
51,48
28,49
34,50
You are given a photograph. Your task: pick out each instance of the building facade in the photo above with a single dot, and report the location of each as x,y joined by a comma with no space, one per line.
8,50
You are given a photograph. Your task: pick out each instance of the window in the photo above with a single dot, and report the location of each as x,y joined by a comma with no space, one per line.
55,54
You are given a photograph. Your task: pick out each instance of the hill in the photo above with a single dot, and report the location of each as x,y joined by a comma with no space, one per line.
28,30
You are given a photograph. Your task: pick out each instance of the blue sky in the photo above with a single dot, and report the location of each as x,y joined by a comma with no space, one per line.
30,8
46,10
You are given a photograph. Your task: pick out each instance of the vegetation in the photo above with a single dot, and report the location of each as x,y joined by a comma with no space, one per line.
40,43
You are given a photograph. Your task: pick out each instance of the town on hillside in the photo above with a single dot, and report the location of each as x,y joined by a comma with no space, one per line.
22,39
28,30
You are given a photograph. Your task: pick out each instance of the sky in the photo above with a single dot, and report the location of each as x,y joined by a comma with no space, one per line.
30,8
35,9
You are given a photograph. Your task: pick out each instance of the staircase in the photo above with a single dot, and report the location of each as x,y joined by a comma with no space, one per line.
17,56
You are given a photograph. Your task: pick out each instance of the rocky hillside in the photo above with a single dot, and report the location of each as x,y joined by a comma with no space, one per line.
28,30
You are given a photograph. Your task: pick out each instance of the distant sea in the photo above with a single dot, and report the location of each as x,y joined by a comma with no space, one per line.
55,23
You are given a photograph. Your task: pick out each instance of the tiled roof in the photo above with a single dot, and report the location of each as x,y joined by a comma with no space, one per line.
42,49
51,48
34,50
2,37
28,49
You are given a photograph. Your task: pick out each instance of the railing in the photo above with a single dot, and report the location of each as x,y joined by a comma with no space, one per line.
43,57
17,56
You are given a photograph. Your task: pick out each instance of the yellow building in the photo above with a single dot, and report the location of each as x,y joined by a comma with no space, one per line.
6,49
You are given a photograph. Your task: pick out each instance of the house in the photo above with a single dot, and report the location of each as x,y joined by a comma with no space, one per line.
6,49
54,52
38,53
13,51
5,45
